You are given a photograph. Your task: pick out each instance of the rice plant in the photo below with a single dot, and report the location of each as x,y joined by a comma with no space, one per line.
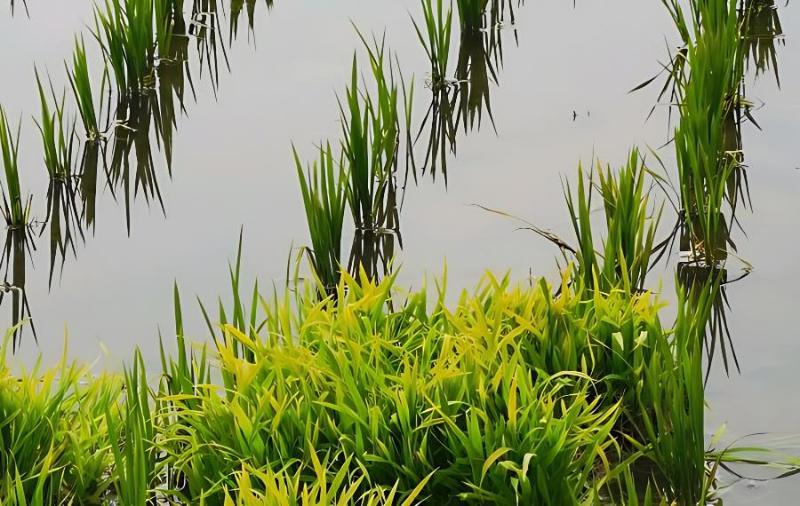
132,436
16,209
133,35
629,249
435,35
370,143
705,164
81,85
55,441
324,191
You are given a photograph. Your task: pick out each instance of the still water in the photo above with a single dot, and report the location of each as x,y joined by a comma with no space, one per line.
561,97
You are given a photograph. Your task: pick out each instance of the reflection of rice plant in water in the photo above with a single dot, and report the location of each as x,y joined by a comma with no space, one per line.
132,135
236,10
206,28
24,4
761,33
59,146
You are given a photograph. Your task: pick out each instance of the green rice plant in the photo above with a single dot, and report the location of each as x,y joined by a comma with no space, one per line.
672,404
133,34
471,14
132,436
16,211
370,143
629,249
324,191
435,35
81,85
705,166
53,443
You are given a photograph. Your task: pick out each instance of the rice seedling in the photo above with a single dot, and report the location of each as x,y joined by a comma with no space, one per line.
81,85
55,445
370,143
124,30
705,77
324,192
16,211
435,35
132,438
629,249
672,403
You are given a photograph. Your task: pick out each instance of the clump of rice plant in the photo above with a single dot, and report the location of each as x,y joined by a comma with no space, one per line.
81,85
435,35
132,34
324,191
55,439
370,144
16,209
